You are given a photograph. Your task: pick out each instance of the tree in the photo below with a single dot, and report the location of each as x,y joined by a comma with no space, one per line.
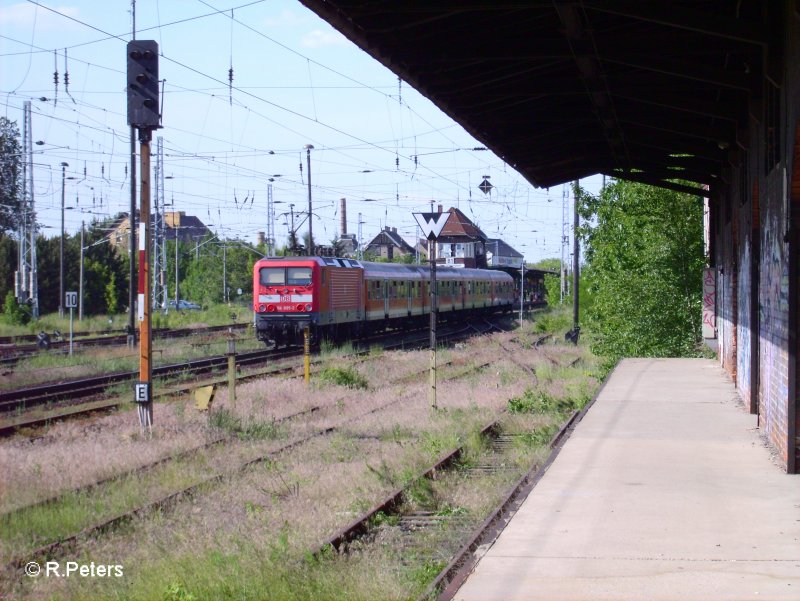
10,175
8,263
105,279
203,279
644,260
552,283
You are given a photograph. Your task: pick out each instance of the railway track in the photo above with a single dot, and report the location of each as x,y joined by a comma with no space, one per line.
34,396
57,547
409,524
12,352
14,403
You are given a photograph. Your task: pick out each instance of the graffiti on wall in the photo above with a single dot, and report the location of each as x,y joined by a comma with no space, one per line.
709,302
743,378
774,332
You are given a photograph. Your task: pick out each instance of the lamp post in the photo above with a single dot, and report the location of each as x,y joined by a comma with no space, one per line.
308,148
61,252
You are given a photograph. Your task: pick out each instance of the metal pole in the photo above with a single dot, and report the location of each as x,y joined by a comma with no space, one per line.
521,291
575,261
434,298
176,269
71,324
307,355
132,245
61,253
232,371
145,331
224,274
310,216
80,284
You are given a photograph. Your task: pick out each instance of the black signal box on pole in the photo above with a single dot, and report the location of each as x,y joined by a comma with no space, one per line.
143,105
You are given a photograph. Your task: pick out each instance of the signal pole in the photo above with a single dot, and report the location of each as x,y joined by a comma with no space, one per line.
431,225
143,114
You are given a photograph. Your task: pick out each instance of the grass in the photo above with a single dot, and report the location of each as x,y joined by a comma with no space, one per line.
342,376
249,428
26,529
247,537
219,314
45,367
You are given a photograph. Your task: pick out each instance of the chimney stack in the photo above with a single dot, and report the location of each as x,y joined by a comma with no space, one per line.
440,208
261,238
343,202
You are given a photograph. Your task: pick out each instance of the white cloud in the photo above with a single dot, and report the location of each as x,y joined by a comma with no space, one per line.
25,15
319,38
287,18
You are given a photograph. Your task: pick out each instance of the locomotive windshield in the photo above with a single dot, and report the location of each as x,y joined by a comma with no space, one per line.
272,276
289,276
298,276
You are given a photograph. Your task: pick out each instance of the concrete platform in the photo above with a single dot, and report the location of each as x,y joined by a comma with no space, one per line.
664,491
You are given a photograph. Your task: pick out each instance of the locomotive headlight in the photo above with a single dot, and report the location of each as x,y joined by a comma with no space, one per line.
308,307
262,308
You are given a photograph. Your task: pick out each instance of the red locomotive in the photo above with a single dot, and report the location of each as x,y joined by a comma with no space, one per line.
339,298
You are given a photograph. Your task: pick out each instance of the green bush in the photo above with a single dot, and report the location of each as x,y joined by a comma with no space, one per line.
15,314
343,376
540,402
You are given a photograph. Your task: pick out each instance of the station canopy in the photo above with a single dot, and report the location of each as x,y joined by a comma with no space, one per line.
655,92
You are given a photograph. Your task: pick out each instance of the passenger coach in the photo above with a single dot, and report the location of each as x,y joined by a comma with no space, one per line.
339,298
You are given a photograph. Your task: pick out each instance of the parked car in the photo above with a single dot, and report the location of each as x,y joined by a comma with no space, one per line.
184,305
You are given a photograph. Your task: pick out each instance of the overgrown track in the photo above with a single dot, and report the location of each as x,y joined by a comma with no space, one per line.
446,584
15,401
59,547
12,351
24,398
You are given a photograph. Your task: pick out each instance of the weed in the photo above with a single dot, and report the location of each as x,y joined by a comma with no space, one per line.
421,575
381,519
249,429
448,510
397,434
420,493
383,473
540,402
537,437
343,376
176,592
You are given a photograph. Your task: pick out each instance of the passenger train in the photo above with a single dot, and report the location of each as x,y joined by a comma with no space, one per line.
339,298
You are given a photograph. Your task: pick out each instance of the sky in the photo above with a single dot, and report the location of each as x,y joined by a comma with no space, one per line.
296,81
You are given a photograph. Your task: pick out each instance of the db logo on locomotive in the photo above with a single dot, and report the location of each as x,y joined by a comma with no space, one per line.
286,298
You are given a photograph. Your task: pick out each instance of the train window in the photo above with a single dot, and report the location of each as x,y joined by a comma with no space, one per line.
298,276
272,276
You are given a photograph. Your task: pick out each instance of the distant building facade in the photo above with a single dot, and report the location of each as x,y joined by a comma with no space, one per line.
388,244
461,243
177,224
500,254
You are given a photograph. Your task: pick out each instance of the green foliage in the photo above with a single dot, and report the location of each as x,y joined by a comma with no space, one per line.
8,262
343,376
554,321
209,265
644,253
13,313
540,402
177,592
10,174
250,429
537,437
